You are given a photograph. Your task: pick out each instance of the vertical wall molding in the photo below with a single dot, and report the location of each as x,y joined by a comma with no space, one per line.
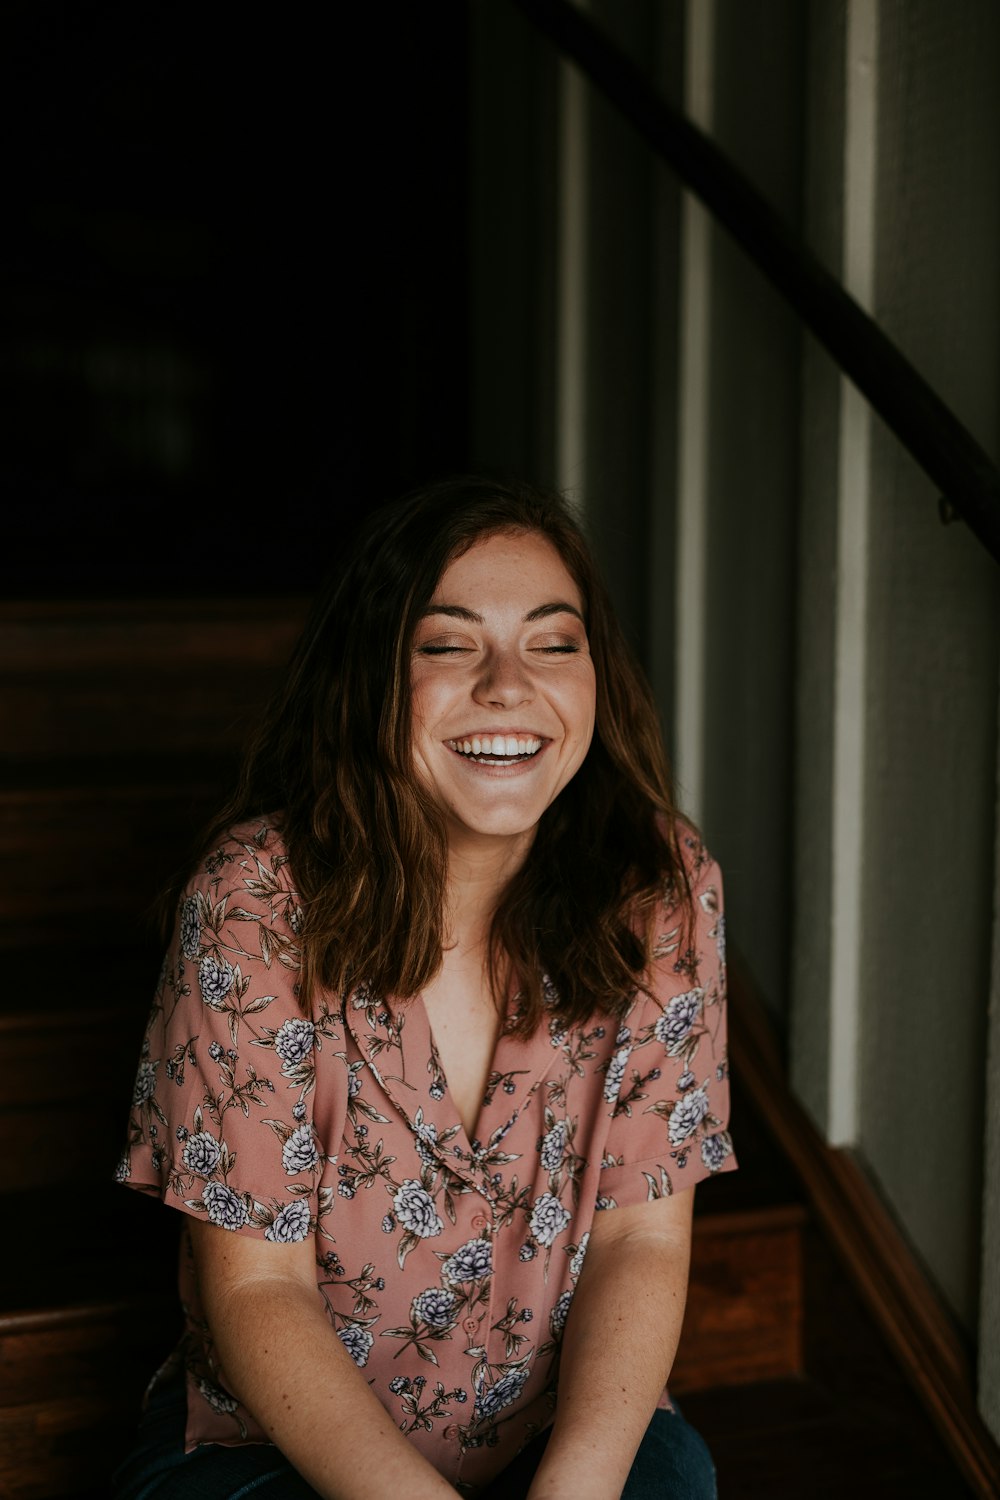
572,280
989,1307
854,477
694,393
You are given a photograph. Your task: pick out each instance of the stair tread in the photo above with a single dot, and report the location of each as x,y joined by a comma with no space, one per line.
795,1436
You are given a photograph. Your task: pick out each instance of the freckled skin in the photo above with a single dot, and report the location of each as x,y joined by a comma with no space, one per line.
502,650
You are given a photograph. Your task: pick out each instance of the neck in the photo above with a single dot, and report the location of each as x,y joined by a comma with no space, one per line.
477,875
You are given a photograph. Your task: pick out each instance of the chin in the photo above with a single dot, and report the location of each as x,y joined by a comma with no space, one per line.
500,827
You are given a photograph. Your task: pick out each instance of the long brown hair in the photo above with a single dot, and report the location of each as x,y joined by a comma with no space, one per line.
331,762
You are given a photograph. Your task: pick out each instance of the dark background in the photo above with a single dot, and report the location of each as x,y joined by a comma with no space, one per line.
234,285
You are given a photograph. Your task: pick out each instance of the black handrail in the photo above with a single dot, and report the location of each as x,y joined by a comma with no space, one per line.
968,481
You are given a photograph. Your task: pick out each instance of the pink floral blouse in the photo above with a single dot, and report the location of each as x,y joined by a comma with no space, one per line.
446,1266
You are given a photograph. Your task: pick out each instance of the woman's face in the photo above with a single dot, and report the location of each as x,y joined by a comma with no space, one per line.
503,691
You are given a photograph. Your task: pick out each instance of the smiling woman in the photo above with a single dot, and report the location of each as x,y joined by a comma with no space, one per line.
438,1052
502,691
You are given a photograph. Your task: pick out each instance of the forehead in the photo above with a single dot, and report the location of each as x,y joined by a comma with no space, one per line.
512,565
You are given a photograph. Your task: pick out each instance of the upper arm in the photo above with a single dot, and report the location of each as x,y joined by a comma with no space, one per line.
667,1220
226,1264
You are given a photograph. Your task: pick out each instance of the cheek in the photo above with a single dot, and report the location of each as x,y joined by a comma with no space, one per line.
421,703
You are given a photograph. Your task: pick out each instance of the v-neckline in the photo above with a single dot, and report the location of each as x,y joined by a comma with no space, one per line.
470,1136
398,1045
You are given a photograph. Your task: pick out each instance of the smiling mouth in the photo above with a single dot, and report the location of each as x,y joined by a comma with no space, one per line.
498,750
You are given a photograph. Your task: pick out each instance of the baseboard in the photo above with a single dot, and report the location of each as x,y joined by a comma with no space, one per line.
868,1242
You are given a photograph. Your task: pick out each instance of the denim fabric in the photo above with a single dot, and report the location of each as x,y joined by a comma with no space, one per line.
157,1467
673,1463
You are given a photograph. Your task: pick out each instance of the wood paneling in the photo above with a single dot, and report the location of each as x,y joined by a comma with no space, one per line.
136,678
71,1382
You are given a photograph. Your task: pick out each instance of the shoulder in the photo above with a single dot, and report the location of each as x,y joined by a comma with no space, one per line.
245,877
698,879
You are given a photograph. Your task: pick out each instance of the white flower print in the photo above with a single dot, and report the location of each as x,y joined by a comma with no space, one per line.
293,1042
224,1207
218,1399
190,928
472,1261
357,1341
425,1134
124,1168
720,942
145,1082
415,1210
436,1308
290,1225
554,1146
300,1153
576,1264
677,1020
548,1219
616,1072
201,1153
215,979
715,1149
557,1317
687,1115
493,1399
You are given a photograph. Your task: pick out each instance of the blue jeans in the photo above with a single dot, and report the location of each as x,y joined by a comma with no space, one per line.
673,1463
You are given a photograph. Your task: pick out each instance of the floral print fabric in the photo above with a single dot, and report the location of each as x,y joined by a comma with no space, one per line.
445,1265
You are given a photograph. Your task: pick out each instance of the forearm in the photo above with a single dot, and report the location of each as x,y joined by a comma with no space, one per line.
280,1356
618,1348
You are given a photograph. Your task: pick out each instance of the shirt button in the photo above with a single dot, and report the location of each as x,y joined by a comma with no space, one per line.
479,1221
451,1431
470,1324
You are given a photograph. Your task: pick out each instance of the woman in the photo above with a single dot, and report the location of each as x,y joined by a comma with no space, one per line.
438,1050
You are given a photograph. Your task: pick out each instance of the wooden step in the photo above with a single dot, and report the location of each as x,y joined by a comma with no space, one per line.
743,1320
71,1380
120,724
96,678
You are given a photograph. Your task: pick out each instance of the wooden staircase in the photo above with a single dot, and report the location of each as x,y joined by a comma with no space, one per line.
121,721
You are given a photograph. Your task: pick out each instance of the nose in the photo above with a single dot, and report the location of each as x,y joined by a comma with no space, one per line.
503,682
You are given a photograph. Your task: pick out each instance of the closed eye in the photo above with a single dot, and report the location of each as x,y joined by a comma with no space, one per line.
442,650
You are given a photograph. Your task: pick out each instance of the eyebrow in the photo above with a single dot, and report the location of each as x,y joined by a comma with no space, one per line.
541,612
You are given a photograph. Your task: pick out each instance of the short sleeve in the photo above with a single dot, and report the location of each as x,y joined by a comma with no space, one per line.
222,1121
670,1125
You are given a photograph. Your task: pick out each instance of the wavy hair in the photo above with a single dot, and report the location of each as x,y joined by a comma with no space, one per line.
331,762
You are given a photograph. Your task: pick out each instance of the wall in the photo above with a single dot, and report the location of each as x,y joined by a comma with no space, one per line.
824,651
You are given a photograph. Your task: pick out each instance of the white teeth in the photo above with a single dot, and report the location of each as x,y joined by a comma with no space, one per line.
508,746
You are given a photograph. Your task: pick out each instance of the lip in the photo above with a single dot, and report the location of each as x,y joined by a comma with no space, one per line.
500,729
